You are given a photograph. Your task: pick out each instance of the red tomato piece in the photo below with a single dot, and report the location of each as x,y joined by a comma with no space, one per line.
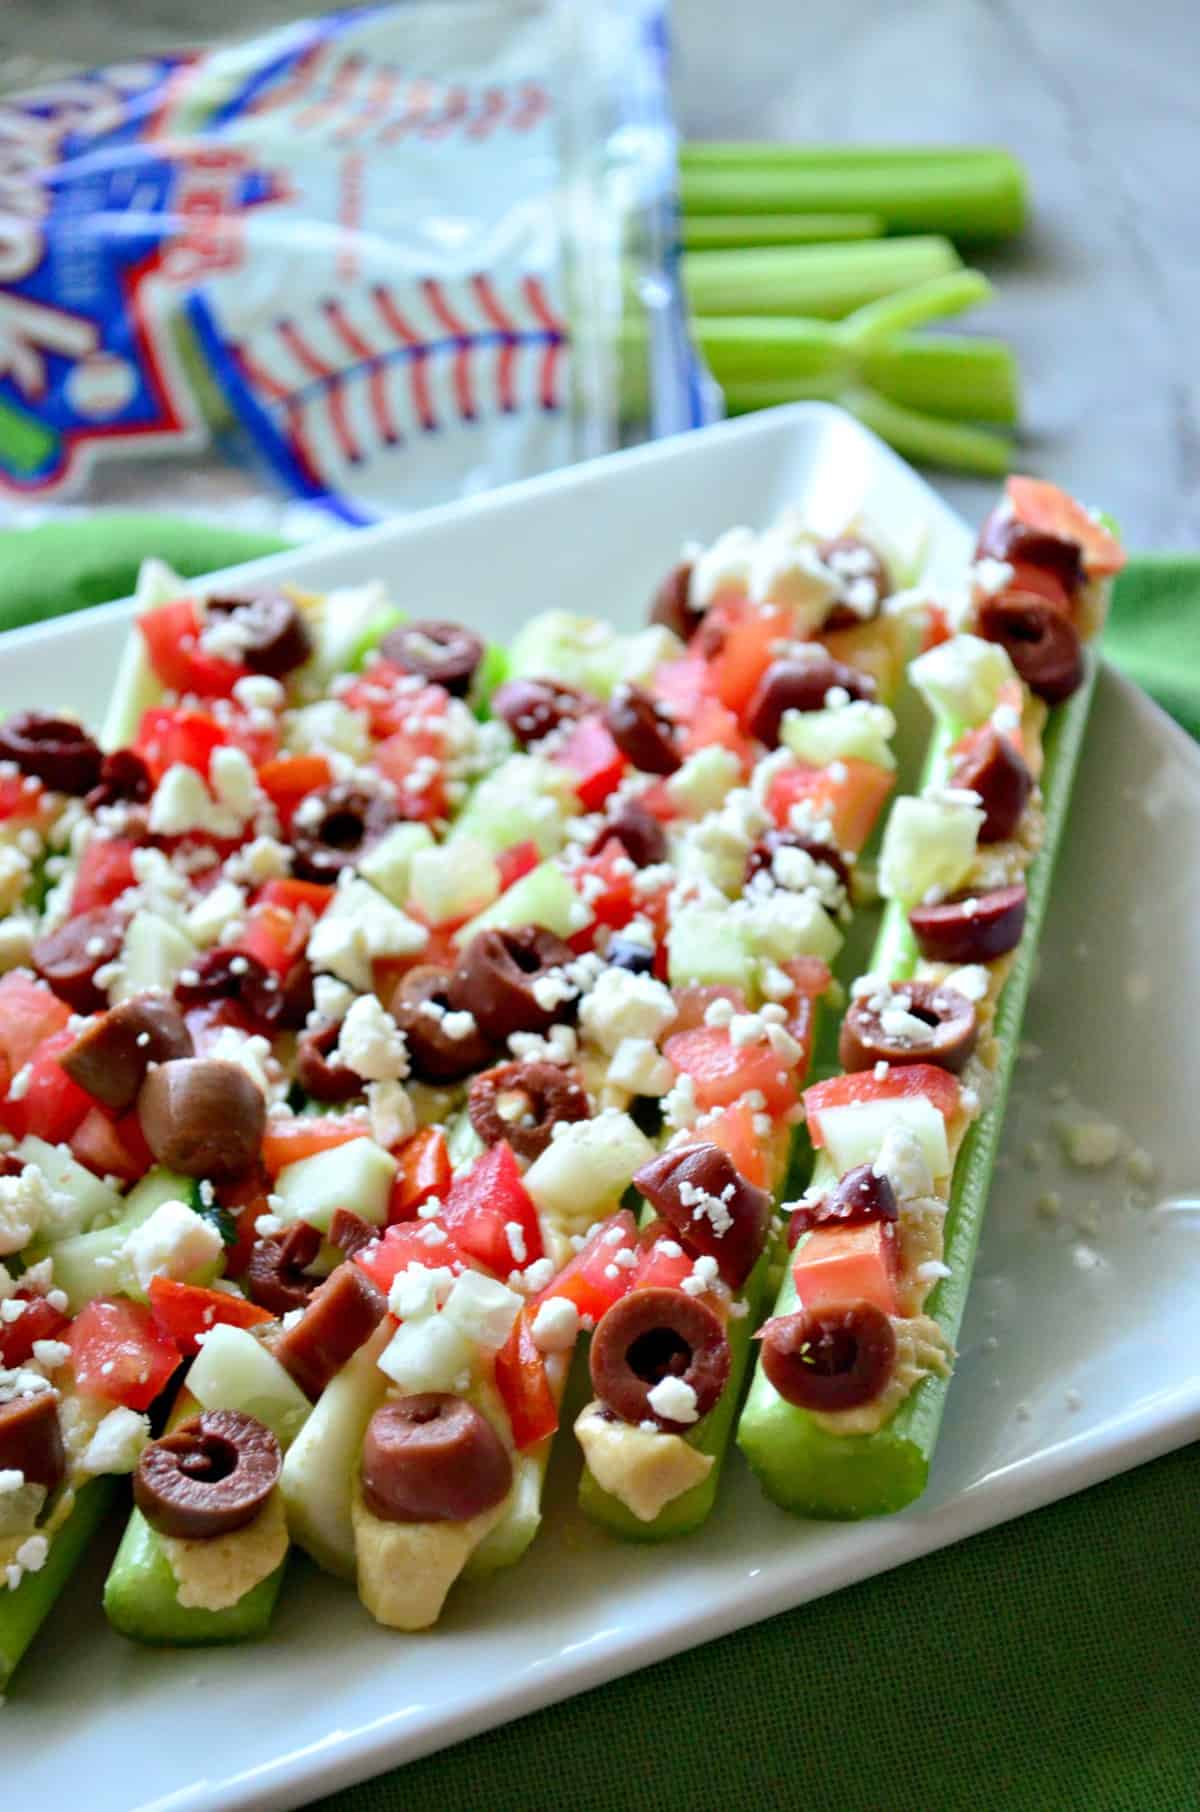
524,1387
694,999
286,780
1044,506
851,798
274,937
937,1085
520,860
847,1264
733,1130
723,1072
593,759
385,1258
52,1106
245,1200
663,1263
112,1148
295,895
936,629
681,684
37,1321
712,724
30,1012
483,1203
21,797
390,700
605,881
403,760
423,1170
287,1141
105,871
171,633
119,1353
744,637
181,1311
168,737
585,1279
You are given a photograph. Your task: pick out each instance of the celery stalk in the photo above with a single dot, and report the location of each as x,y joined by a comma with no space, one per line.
946,374
23,1612
828,281
974,197
720,232
927,438
879,321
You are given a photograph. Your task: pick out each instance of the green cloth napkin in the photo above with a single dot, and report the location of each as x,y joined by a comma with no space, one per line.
1051,1665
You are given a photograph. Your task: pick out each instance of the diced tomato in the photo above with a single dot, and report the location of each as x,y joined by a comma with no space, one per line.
723,1072
37,1321
287,1141
422,791
936,628
585,1280
21,798
389,700
52,1106
1044,506
105,871
244,1200
812,979
661,1266
605,881
171,633
733,1130
594,761
681,684
847,1264
181,1311
112,1148
850,795
287,779
937,1085
168,737
385,1258
294,895
744,637
520,859
29,1014
693,1001
423,1170
713,725
119,1353
524,1387
483,1203
274,937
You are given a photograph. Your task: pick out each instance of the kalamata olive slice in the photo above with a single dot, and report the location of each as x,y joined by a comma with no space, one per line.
433,1458
202,1116
111,1057
273,635
497,979
642,836
55,750
1005,537
31,1439
711,1205
627,953
349,1232
801,683
864,578
522,1103
919,1022
441,1046
275,1275
1041,642
856,1199
69,957
334,829
838,1356
230,974
317,1076
209,1476
447,654
972,928
124,780
671,604
534,707
340,1315
762,856
997,771
650,1335
642,731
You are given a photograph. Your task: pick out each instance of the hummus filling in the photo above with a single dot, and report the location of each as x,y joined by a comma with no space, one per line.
644,1470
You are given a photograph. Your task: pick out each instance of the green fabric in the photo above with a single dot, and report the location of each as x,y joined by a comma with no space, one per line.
1051,1665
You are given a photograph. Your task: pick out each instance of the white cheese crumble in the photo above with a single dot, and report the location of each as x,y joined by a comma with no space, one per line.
371,1044
674,1399
555,1327
174,1242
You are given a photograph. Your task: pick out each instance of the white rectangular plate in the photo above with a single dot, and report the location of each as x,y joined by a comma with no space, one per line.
1079,1354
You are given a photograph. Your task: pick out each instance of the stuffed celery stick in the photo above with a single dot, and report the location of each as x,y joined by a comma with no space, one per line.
844,1409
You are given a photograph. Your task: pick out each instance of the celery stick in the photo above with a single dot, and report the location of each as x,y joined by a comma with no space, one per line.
23,1612
972,379
749,153
877,322
932,441
829,281
800,1465
717,232
974,198
749,348
141,1598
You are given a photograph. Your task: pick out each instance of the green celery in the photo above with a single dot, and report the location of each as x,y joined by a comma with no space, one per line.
828,281
141,1598
722,232
930,439
23,1612
799,1464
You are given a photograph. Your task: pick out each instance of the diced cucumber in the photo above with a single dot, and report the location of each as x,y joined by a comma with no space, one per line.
961,680
357,1175
79,1200
787,925
586,1169
704,946
854,1133
491,673
859,730
453,881
352,620
328,724
462,1141
233,1370
91,1264
701,784
525,800
645,652
154,954
321,1465
357,927
542,897
928,848
386,865
583,651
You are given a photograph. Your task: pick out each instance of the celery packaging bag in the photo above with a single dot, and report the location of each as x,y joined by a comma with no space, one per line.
371,261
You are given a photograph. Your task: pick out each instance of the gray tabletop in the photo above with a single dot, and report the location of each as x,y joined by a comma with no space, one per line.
1102,299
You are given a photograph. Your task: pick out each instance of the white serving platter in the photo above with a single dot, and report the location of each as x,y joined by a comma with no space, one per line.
1080,1354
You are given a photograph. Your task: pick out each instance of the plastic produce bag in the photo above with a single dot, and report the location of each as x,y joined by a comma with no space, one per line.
365,263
